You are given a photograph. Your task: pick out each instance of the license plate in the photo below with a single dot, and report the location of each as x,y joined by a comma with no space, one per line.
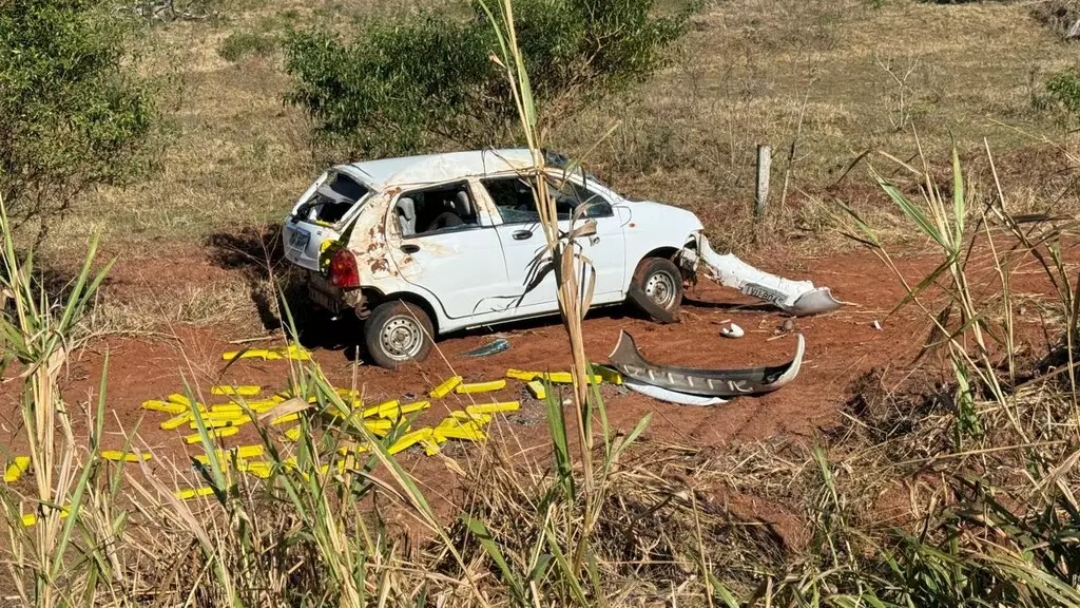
299,239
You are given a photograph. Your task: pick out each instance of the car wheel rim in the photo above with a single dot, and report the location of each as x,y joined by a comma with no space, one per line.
661,289
402,338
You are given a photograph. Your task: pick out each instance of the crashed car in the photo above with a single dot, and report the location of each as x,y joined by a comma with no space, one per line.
425,245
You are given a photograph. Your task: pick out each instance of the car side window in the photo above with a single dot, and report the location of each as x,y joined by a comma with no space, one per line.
514,199
437,210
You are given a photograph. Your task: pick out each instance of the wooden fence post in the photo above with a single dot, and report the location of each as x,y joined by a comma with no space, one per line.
761,192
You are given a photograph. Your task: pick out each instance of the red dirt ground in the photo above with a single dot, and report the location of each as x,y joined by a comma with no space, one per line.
841,346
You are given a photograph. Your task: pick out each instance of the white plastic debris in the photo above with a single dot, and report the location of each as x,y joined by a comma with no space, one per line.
732,331
799,298
876,325
669,396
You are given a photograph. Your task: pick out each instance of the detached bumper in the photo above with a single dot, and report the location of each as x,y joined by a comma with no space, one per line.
799,298
722,383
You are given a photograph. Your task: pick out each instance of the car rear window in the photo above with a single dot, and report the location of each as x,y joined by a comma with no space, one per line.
333,199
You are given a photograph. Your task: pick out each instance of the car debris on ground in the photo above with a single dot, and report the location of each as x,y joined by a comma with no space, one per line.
662,394
494,347
732,331
704,382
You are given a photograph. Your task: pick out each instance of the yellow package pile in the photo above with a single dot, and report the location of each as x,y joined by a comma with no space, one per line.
194,493
452,428
285,419
353,448
373,411
240,453
493,408
397,411
16,469
379,428
481,387
166,407
214,434
444,389
125,456
536,388
552,377
30,519
410,439
256,468
175,404
220,423
258,406
432,445
607,374
347,393
236,391
175,422
293,351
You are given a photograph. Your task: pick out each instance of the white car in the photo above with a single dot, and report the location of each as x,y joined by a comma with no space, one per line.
425,245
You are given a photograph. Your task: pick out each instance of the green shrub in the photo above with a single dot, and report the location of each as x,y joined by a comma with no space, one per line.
242,44
73,111
427,78
1064,90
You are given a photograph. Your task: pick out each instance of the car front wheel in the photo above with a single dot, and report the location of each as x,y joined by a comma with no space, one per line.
660,282
398,332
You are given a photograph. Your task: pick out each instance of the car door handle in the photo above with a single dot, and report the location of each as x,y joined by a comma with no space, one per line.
410,248
522,235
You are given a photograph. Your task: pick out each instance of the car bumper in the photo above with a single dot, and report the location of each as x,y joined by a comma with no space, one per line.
325,295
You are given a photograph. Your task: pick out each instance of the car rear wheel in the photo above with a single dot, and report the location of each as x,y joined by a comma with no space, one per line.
398,332
660,281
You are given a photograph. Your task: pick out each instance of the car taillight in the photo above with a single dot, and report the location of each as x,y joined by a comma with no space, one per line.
343,270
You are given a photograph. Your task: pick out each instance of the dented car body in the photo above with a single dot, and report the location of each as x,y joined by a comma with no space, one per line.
425,245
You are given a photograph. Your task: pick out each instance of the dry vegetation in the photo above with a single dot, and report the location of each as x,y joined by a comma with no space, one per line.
832,78
780,523
821,82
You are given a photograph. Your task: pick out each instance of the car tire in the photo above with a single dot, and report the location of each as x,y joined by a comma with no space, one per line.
661,282
397,333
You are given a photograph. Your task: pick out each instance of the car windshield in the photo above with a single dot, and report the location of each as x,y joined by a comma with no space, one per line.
563,162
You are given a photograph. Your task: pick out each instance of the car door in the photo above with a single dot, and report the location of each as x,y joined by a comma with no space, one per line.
529,268
444,244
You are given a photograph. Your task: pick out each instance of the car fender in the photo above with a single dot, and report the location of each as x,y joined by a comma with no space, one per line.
418,294
654,226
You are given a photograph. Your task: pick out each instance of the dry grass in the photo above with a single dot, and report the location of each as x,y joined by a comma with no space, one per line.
750,72
811,78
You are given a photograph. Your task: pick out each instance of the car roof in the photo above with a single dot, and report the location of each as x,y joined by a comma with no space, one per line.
434,168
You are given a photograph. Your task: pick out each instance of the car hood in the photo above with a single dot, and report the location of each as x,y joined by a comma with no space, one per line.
664,215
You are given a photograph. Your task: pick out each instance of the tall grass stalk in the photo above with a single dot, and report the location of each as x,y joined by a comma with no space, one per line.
37,335
945,223
573,272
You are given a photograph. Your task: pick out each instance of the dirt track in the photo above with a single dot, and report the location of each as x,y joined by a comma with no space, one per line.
841,346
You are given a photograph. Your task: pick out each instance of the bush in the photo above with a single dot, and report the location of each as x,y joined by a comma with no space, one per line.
240,45
74,113
1064,90
426,79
